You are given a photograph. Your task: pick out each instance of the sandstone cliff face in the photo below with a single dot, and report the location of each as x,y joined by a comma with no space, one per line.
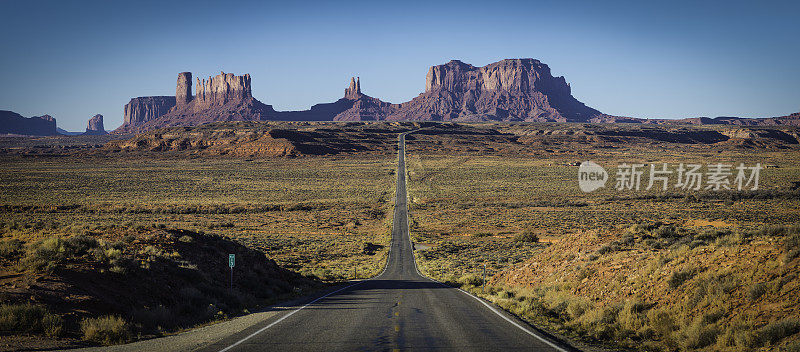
183,91
222,89
511,90
143,109
13,123
508,90
225,97
514,90
95,125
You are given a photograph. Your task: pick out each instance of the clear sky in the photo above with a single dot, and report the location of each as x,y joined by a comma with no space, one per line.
657,59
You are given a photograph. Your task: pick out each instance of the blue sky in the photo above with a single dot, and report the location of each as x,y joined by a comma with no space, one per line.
670,59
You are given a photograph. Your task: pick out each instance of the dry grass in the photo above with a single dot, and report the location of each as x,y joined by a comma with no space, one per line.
649,269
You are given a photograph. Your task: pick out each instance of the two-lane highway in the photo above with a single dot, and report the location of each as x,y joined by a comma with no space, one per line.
397,310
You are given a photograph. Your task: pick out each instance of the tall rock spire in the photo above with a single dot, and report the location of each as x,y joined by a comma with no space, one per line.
183,92
354,92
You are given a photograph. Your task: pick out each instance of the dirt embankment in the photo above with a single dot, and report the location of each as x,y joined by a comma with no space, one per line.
143,282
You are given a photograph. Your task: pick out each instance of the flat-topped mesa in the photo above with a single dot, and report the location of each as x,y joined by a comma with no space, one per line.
142,109
354,92
513,89
510,75
13,123
223,88
183,91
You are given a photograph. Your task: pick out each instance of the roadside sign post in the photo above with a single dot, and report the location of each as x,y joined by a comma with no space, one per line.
231,264
483,289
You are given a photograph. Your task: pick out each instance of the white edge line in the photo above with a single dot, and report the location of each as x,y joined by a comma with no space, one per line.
286,316
493,309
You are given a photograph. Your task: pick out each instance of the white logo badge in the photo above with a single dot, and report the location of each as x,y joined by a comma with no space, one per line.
591,176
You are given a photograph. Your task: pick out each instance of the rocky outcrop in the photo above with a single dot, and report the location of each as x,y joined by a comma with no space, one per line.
183,91
354,106
509,90
222,89
95,126
13,123
225,97
354,91
143,109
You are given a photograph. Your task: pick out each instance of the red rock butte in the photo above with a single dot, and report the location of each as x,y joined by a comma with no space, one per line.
507,90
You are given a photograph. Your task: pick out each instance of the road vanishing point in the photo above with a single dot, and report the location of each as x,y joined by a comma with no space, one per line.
394,311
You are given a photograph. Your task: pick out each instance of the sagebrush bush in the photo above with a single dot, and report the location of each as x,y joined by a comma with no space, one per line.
756,291
632,317
791,248
52,325
106,330
679,277
699,334
21,317
471,279
10,248
662,321
526,236
776,331
779,230
600,323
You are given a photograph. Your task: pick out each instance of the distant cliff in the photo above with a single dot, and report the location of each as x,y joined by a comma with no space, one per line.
95,126
13,123
143,109
225,97
509,90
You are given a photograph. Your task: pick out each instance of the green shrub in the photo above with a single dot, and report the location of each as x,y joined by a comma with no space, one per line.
600,323
699,334
611,247
80,245
10,248
21,317
526,236
631,317
666,231
106,330
471,279
792,248
52,325
679,277
577,307
662,321
113,253
774,332
779,230
48,249
756,291
557,301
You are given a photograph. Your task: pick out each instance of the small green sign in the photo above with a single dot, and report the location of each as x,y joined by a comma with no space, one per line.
231,260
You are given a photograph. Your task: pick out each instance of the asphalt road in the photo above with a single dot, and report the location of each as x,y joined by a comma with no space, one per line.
397,310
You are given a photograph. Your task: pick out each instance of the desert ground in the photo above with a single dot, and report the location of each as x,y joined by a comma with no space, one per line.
307,205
